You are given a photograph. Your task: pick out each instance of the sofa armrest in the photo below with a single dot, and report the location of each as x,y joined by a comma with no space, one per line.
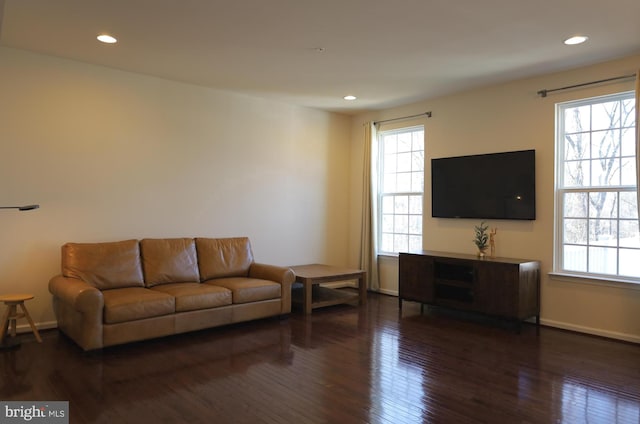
279,274
79,309
77,293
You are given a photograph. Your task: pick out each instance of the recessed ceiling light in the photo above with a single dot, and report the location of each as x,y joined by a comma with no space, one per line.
106,38
349,97
578,39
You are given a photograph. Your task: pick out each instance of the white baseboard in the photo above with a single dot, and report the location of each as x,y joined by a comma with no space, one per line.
565,326
387,292
590,330
26,328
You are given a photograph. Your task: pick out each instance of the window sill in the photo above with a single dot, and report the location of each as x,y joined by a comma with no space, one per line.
387,255
596,281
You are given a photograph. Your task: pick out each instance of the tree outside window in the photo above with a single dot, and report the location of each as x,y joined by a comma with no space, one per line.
596,188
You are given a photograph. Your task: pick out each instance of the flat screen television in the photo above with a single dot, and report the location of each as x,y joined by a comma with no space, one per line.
488,186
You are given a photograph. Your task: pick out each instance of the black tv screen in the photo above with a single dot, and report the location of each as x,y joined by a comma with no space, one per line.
489,186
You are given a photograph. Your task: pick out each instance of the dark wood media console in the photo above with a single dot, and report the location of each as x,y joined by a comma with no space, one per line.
500,287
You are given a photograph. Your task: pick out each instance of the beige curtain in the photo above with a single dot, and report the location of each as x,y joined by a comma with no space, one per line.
368,256
638,139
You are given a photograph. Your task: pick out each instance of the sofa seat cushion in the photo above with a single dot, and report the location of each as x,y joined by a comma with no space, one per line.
133,303
193,296
246,290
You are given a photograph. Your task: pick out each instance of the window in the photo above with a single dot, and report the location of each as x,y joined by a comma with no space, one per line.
596,205
400,189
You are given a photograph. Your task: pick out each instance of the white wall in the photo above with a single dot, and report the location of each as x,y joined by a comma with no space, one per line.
111,155
502,118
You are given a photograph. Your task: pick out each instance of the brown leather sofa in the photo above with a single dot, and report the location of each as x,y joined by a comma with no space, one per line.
118,292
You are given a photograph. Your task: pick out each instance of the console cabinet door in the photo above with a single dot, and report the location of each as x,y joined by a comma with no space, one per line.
497,289
415,280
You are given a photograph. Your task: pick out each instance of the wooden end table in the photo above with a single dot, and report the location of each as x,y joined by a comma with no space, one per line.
11,315
313,296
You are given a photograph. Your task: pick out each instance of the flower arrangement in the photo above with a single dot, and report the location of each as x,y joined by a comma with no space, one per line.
481,237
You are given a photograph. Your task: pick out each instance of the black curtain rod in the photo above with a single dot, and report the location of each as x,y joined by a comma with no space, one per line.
427,114
544,92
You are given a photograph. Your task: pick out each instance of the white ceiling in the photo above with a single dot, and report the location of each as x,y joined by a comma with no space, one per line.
386,52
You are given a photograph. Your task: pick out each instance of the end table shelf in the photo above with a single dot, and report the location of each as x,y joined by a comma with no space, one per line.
308,293
322,296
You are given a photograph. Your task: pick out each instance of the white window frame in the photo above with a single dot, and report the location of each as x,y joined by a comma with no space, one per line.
382,194
559,267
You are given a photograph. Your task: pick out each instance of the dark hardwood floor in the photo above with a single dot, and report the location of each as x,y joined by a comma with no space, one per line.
341,364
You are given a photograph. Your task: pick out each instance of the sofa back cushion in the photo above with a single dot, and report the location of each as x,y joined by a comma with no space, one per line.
224,257
169,261
109,265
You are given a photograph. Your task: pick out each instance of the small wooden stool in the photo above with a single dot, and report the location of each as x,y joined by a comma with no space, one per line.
11,315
